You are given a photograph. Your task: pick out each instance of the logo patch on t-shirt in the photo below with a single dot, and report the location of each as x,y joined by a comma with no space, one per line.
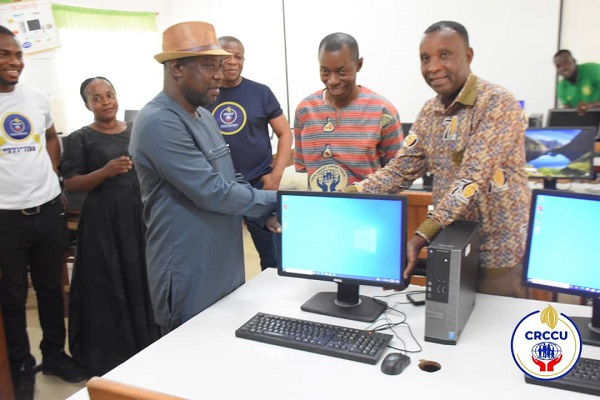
231,117
586,90
16,126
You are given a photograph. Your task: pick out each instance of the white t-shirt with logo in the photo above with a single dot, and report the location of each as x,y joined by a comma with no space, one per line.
27,178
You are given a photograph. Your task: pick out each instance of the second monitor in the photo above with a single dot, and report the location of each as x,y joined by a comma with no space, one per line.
555,153
569,117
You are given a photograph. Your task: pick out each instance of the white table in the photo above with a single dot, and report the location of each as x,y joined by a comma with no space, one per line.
204,360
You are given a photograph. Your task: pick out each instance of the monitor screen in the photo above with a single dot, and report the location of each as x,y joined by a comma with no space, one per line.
561,253
559,153
349,238
569,117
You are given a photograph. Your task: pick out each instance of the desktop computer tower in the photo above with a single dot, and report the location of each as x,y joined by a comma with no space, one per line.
452,265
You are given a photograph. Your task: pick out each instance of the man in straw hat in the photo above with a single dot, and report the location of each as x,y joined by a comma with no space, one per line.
193,203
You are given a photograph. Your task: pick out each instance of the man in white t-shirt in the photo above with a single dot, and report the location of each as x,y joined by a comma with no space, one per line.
33,231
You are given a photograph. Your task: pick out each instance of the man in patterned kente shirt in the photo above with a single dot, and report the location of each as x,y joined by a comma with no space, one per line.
471,138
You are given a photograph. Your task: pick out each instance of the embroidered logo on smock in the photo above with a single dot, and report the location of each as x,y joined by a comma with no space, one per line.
411,140
465,190
385,119
327,153
231,117
329,126
498,183
451,125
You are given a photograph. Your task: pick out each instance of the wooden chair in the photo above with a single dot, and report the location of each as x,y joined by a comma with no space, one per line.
105,389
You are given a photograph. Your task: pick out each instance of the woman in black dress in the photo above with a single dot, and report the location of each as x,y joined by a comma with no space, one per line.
110,316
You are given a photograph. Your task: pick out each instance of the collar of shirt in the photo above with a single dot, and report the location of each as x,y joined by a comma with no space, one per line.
466,96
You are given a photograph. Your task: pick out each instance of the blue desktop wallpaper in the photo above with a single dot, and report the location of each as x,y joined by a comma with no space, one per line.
564,242
345,237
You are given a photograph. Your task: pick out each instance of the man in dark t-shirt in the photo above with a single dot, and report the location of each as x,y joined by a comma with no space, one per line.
244,110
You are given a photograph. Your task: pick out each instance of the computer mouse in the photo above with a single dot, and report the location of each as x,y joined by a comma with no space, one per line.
394,363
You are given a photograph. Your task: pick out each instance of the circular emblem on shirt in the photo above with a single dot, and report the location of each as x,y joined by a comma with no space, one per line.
16,126
328,178
586,90
230,116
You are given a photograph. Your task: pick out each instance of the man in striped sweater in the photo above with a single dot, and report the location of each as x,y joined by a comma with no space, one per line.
345,131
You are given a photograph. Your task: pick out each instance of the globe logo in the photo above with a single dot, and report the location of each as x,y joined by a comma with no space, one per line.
546,351
228,115
17,125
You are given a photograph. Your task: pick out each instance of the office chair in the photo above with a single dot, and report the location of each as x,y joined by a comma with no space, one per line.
105,389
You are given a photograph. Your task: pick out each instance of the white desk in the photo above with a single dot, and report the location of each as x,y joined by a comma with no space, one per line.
204,360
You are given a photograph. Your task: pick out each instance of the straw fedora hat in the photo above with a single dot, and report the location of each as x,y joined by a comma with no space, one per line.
190,39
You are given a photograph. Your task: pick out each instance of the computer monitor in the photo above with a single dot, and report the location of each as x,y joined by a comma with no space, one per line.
562,250
555,153
130,115
569,117
351,239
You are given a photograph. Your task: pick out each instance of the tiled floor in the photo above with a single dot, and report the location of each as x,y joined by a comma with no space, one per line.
53,388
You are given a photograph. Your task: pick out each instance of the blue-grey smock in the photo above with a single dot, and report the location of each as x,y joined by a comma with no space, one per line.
193,208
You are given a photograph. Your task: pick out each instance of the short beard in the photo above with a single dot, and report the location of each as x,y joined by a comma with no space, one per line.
4,82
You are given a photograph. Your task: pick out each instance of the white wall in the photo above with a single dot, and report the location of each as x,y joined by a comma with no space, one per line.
513,41
581,29
258,24
509,38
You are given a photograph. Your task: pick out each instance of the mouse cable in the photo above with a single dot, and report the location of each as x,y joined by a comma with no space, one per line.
403,322
389,324
386,323
420,348
385,296
400,293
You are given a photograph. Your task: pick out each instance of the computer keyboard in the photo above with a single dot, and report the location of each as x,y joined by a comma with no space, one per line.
332,340
584,378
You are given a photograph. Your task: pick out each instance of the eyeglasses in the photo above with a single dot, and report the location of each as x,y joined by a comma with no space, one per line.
235,57
212,67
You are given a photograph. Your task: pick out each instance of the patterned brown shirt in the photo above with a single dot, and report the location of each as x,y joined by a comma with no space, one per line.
475,148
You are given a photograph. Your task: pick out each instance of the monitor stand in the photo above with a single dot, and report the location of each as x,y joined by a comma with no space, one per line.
346,303
589,328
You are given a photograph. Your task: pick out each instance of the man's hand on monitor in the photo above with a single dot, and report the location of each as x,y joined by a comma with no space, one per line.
413,248
272,224
350,189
